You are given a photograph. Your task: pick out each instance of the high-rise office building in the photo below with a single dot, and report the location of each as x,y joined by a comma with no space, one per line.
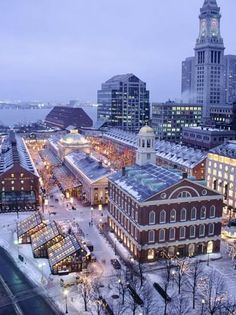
230,78
207,77
124,102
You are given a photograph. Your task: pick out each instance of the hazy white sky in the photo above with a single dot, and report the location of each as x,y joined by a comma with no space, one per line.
65,49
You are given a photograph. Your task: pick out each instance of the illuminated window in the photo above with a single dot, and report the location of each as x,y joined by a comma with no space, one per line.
151,254
12,175
12,188
209,247
12,181
173,215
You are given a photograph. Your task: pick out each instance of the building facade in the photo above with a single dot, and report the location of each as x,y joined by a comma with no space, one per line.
211,81
221,172
154,211
19,179
224,117
169,118
206,138
123,102
230,78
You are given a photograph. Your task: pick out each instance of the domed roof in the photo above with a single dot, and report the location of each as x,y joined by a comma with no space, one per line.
73,139
146,130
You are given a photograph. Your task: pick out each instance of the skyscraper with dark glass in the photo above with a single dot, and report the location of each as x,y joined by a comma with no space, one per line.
124,102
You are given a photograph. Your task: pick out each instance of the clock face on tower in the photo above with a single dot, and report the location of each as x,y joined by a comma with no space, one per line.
203,27
214,27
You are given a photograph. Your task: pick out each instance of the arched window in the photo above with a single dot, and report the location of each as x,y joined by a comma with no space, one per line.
148,143
193,213
183,214
201,230
163,216
192,231
173,215
212,211
162,235
209,247
172,234
211,229
184,194
152,217
151,254
151,236
182,231
203,212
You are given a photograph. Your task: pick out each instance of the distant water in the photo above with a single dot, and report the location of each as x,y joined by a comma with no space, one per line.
11,117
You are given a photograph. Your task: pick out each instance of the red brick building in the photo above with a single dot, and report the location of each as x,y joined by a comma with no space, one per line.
19,179
154,210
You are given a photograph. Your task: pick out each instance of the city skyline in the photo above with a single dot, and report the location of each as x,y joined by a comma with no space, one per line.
65,54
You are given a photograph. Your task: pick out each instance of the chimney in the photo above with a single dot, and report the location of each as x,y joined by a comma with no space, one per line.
100,164
184,175
123,171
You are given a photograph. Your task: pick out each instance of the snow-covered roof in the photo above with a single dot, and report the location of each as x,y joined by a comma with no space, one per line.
43,236
142,182
16,152
227,149
124,137
179,154
29,223
63,249
90,167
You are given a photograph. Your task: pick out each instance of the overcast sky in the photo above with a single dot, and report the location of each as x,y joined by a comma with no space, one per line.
65,49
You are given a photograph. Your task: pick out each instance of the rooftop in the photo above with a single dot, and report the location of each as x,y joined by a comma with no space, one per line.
90,167
46,234
209,129
29,223
142,182
227,149
61,250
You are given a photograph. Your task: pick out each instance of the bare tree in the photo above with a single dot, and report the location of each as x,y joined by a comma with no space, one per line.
180,305
166,280
180,276
85,288
214,292
195,276
149,299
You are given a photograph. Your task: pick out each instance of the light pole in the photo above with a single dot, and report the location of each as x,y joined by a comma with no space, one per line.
66,295
203,303
91,214
208,259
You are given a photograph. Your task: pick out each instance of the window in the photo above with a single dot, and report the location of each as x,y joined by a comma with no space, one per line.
192,231
182,232
163,216
203,212
151,236
212,211
211,229
172,234
193,213
152,217
162,235
202,230
173,215
184,194
183,214
151,254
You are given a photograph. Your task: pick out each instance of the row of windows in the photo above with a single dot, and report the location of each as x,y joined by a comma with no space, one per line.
183,214
171,233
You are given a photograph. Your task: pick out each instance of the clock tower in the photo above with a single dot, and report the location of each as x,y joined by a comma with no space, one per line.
209,60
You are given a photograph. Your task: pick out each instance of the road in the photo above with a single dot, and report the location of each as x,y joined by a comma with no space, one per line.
20,295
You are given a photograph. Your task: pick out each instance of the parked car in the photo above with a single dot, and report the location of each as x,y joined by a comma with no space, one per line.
116,264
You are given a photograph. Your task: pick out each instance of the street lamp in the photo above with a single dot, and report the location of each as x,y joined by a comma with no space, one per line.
203,303
91,214
66,295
